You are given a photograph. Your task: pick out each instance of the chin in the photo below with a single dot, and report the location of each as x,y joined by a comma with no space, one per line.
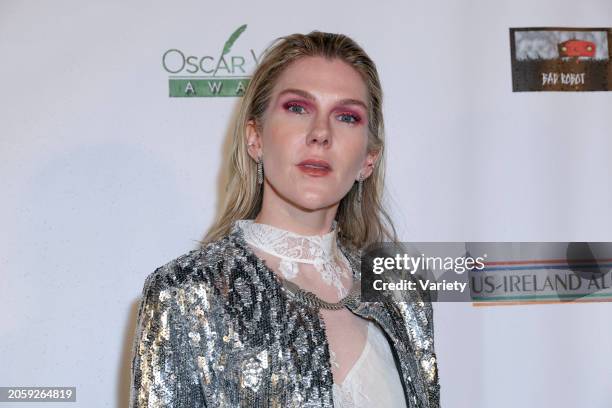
315,202
307,197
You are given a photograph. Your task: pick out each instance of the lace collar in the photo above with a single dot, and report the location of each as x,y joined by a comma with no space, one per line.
291,248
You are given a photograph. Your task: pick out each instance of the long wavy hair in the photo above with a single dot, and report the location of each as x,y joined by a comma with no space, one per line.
358,225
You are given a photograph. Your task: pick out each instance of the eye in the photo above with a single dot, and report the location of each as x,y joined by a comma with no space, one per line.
351,118
295,107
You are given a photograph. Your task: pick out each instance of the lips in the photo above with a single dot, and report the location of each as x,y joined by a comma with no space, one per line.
320,164
315,167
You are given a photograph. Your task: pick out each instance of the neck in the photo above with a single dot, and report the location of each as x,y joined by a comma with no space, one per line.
315,227
295,219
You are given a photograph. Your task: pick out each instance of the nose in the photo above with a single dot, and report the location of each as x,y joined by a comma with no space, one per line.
320,133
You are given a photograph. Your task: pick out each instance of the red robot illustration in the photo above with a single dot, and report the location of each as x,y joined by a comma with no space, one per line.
576,49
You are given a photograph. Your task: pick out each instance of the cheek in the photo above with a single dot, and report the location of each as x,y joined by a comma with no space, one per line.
279,151
353,137
282,134
353,150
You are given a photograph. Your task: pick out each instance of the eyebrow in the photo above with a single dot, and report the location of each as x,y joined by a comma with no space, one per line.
307,95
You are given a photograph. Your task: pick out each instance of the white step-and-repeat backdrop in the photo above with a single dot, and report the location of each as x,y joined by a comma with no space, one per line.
104,176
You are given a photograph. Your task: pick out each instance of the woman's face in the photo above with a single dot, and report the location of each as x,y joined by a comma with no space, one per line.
317,111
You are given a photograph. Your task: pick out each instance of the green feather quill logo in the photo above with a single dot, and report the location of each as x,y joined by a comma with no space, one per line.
229,43
233,38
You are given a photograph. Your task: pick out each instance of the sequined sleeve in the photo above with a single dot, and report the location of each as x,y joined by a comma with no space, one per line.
163,373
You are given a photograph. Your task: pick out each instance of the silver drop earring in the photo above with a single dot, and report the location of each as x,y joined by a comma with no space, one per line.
260,170
360,188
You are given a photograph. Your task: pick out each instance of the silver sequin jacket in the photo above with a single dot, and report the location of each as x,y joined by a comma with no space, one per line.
216,328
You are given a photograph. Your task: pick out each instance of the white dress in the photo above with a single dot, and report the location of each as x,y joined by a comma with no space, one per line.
373,379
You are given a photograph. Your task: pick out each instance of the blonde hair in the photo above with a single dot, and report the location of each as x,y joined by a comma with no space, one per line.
357,225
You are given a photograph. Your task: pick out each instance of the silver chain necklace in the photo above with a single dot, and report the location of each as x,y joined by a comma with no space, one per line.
314,301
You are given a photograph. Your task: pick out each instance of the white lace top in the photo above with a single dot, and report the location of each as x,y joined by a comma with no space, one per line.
372,379
320,251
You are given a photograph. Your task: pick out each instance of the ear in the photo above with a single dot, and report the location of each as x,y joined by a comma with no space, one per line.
253,140
370,161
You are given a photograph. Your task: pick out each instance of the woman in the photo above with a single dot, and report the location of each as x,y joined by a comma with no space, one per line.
229,324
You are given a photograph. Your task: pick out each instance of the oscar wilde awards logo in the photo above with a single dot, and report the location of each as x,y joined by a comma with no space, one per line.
561,59
220,74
